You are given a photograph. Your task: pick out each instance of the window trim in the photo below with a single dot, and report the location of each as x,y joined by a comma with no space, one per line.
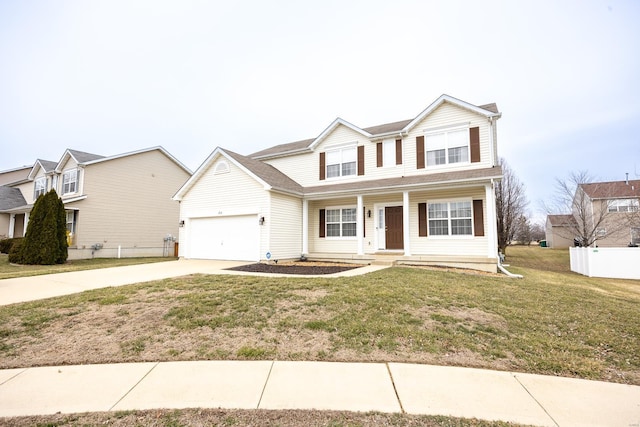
42,179
391,160
450,236
628,203
76,181
445,131
341,149
326,222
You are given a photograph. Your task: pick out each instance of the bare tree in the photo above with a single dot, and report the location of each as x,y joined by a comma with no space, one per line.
589,203
511,202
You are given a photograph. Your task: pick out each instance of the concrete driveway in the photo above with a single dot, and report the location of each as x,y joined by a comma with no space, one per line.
52,285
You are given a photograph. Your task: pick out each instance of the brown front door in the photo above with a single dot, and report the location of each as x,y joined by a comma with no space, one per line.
393,232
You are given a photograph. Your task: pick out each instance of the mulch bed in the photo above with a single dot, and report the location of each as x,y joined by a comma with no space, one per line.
303,268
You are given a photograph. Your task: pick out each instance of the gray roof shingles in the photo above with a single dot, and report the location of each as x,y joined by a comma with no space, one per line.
11,198
83,157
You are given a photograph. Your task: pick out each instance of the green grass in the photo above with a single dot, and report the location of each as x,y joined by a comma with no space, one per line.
551,322
8,271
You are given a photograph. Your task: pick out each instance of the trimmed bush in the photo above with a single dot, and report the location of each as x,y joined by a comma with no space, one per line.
45,242
15,251
7,244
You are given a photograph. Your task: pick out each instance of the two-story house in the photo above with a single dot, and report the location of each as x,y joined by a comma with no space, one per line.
116,206
608,213
418,191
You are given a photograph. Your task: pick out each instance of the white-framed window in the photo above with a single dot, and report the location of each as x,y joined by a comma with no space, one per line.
623,205
54,183
450,218
635,235
70,181
447,146
341,222
388,153
39,187
71,221
342,161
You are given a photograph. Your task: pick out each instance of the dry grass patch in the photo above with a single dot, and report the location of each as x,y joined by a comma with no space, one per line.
550,322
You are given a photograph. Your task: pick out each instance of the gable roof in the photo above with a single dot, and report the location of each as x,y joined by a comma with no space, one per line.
11,198
399,127
265,174
15,175
46,165
85,159
612,190
561,220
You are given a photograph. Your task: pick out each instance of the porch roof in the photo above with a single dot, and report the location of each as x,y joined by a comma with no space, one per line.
11,198
405,182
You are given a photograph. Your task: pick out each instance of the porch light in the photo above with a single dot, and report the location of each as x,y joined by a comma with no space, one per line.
261,220
181,223
369,213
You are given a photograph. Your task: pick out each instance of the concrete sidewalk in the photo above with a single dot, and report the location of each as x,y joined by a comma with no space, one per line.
384,387
51,285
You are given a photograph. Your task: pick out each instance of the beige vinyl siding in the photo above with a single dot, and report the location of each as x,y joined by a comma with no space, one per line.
224,194
448,115
71,164
447,245
329,244
27,191
285,227
305,168
129,201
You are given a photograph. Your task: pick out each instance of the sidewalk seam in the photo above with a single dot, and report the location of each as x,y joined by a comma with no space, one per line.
16,375
266,381
535,400
134,386
395,390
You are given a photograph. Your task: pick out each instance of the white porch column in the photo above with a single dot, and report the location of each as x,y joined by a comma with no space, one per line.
406,234
26,222
492,223
360,225
12,225
305,227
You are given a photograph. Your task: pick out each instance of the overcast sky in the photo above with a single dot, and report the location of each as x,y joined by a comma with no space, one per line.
108,77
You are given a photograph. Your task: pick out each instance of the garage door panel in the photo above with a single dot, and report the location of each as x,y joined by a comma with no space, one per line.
226,238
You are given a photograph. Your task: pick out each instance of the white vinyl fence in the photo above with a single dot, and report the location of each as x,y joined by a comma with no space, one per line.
615,263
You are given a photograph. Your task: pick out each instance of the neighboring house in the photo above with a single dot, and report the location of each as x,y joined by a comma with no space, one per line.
414,191
115,206
610,209
556,232
14,175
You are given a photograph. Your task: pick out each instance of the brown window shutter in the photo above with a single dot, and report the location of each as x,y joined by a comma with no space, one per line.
379,154
322,228
474,143
323,168
398,151
420,152
361,160
422,220
478,218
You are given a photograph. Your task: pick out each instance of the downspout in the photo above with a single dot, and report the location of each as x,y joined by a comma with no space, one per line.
504,270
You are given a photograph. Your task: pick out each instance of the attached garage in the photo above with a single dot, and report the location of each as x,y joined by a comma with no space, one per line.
235,238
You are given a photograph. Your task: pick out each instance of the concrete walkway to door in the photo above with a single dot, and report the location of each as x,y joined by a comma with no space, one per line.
33,288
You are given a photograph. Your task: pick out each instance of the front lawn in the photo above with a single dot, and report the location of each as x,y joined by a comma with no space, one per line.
551,322
8,271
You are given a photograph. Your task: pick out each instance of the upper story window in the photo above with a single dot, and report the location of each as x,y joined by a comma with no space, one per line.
40,187
54,182
450,218
70,181
342,162
447,146
623,205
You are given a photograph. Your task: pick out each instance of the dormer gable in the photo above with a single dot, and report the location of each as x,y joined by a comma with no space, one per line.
42,167
78,157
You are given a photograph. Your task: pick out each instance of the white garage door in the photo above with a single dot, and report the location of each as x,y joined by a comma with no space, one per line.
227,238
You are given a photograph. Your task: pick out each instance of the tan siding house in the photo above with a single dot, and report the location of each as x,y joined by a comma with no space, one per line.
117,206
415,191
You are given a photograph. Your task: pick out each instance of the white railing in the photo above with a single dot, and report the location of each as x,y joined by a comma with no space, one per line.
615,263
